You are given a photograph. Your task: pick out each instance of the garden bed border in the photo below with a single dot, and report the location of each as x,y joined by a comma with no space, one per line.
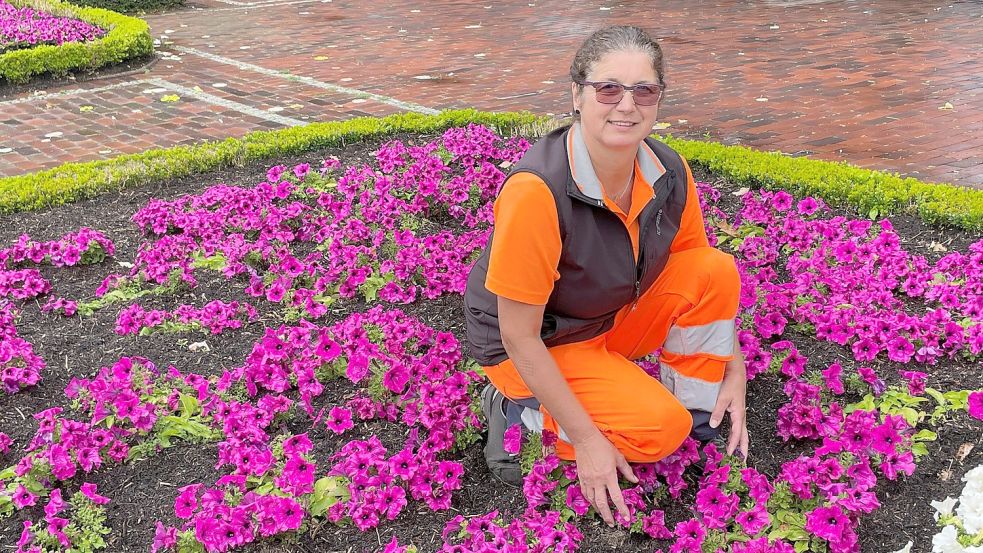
126,38
872,193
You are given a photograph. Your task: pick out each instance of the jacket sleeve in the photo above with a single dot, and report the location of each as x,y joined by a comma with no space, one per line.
692,233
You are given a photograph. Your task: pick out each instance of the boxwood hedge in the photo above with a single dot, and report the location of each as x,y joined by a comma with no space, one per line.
131,6
126,38
872,192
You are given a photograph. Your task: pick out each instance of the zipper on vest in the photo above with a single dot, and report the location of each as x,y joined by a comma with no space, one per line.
634,265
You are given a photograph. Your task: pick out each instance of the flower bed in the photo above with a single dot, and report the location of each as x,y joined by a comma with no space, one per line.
345,398
51,37
27,27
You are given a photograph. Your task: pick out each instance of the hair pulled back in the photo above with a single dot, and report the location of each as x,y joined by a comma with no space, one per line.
615,39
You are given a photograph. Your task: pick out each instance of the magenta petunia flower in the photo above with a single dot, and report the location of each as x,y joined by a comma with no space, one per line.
833,378
26,536
975,406
753,521
297,444
165,538
55,503
868,375
89,490
339,420
690,532
900,349
916,382
513,439
23,497
654,525
187,501
828,523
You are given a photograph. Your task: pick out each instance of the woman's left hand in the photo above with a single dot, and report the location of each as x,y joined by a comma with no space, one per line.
732,400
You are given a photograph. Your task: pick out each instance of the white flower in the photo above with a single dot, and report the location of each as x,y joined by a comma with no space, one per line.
946,542
943,508
971,513
970,508
974,476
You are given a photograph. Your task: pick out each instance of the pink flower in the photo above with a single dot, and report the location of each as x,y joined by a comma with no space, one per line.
916,382
975,406
900,349
753,521
513,439
55,503
832,377
869,376
23,497
187,501
297,444
89,490
5,443
828,523
654,524
26,536
339,420
165,537
690,534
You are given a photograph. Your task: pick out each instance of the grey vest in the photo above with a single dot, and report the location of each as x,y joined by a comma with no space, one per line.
599,274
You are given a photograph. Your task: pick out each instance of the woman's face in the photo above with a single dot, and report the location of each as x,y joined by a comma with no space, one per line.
621,125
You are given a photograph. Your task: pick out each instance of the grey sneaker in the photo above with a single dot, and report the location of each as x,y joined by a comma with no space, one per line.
503,465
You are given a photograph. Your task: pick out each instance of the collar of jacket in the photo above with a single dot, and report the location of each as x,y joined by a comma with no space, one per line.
582,170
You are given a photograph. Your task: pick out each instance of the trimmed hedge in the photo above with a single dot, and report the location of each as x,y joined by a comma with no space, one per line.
872,192
75,181
131,6
126,38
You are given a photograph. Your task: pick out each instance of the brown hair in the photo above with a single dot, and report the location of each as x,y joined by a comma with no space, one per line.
616,39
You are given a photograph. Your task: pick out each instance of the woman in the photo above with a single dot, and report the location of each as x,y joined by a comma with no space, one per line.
598,257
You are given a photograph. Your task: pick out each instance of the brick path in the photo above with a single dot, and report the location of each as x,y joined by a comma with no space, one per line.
856,81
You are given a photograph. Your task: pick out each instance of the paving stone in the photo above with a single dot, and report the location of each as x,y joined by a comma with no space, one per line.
855,81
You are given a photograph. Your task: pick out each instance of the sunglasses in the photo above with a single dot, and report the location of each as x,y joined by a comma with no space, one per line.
608,92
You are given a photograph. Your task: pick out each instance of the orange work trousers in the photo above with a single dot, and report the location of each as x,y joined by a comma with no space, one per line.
689,312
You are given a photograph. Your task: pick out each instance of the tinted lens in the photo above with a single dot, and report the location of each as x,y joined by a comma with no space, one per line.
609,93
647,95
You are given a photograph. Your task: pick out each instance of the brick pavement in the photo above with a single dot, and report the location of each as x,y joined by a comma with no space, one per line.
856,81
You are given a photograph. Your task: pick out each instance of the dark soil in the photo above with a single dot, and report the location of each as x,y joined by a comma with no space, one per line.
143,492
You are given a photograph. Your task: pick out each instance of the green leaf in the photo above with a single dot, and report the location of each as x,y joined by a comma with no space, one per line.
959,399
919,450
189,406
937,395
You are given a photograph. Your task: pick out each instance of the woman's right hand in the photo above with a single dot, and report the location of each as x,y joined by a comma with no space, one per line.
598,465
